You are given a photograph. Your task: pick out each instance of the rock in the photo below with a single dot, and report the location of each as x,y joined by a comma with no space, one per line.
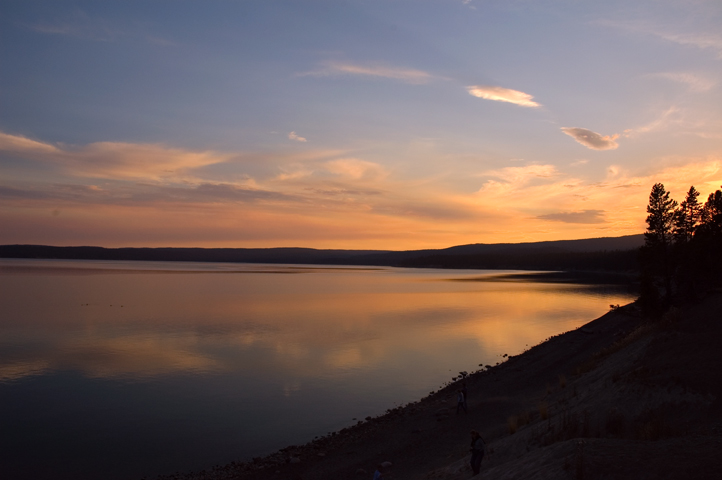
387,464
294,460
361,471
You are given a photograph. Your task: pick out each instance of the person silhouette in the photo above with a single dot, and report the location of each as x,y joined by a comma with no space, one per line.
460,401
477,451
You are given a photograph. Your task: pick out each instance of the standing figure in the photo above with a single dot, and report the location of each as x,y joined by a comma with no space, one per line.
460,401
477,451
466,396
378,474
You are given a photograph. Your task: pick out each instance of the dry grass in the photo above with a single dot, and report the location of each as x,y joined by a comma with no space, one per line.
628,339
513,424
517,421
524,418
615,423
653,425
543,410
580,460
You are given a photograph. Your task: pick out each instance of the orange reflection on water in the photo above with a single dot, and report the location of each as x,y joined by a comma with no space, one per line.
309,324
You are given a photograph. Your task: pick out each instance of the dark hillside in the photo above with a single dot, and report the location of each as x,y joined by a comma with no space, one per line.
610,254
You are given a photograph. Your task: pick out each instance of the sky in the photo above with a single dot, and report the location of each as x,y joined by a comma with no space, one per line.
352,124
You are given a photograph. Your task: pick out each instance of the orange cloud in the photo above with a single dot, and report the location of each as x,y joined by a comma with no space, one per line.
357,169
119,194
114,160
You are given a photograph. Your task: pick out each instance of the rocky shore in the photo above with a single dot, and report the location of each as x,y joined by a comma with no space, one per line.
620,397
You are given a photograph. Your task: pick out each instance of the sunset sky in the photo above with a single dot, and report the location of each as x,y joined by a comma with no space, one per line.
384,124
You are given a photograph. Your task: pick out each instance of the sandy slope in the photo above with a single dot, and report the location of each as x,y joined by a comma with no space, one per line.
616,398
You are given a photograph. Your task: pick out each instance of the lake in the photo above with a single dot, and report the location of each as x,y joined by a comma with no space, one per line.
120,370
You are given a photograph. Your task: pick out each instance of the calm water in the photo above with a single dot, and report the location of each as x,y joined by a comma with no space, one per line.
131,369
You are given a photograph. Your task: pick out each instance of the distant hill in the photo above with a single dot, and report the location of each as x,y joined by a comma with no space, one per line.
610,254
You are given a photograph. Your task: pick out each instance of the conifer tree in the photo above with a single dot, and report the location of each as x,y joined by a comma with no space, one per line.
660,221
707,240
711,215
687,217
658,238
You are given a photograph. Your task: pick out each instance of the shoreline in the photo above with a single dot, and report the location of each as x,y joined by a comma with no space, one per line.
524,409
286,462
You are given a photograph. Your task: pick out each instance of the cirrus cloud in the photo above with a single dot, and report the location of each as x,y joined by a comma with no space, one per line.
118,160
701,40
592,140
694,82
501,94
585,217
407,75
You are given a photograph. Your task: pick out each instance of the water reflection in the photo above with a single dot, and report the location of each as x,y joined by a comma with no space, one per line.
228,345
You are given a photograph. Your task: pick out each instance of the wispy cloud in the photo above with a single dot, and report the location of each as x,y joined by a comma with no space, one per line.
501,94
585,217
592,140
703,41
145,194
662,121
86,27
407,75
357,169
113,160
711,41
694,82
500,182
296,137
521,175
20,144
